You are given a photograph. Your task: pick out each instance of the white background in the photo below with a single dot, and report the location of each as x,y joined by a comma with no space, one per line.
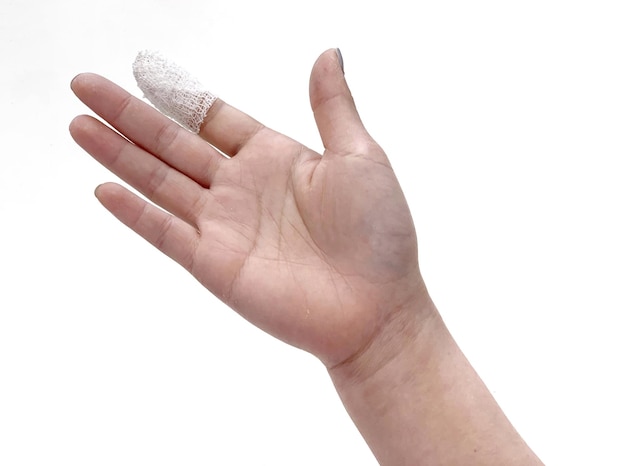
506,124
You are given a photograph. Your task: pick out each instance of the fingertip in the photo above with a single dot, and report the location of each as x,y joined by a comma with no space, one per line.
75,126
84,84
109,187
77,82
76,122
340,58
331,60
72,81
80,126
99,194
327,77
109,194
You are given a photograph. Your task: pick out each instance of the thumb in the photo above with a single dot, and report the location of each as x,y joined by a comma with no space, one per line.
335,113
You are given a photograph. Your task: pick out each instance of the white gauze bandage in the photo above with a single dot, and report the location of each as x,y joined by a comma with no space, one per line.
172,90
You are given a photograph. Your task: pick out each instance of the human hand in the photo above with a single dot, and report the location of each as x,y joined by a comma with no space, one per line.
317,250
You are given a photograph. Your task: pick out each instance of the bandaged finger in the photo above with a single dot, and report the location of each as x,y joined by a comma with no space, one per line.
172,90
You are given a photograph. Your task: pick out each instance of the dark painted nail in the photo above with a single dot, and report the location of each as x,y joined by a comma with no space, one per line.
340,57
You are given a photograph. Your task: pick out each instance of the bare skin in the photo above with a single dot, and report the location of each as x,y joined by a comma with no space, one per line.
318,250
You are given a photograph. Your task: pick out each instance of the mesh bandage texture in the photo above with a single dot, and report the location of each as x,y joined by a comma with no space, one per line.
172,90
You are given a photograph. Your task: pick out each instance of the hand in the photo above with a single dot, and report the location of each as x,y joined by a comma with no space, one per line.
318,250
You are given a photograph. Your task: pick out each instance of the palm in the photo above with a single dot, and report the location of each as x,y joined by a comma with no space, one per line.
315,250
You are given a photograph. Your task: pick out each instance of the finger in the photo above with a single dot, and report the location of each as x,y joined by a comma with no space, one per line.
167,233
148,128
176,93
158,181
228,129
337,119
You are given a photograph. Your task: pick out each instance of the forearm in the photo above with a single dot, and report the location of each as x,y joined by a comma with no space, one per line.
417,400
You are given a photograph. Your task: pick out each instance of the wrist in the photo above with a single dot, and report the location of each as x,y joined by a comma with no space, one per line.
407,333
382,386
416,399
